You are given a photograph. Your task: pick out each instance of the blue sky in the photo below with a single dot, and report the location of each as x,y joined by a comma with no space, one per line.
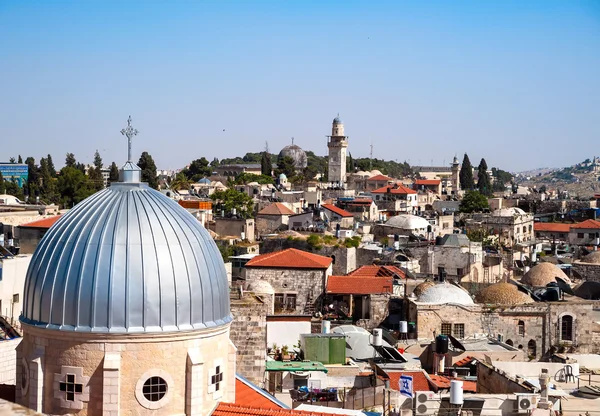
515,82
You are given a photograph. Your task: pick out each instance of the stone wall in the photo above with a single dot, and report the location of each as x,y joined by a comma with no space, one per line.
587,271
378,311
8,360
267,224
249,335
491,381
306,284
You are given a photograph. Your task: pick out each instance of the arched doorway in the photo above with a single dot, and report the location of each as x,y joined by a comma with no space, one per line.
531,348
509,342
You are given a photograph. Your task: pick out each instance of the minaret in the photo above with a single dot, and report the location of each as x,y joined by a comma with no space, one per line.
337,144
455,176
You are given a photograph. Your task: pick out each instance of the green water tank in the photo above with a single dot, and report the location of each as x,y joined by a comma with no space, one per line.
325,348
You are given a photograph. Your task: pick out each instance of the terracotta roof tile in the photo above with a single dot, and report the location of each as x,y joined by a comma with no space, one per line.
228,409
378,271
420,382
427,182
442,382
395,189
380,178
337,210
359,285
552,227
587,224
276,208
291,258
248,394
465,361
44,223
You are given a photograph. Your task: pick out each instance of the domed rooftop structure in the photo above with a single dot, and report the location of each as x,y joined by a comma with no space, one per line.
508,212
337,120
542,274
374,172
260,286
126,260
445,293
296,153
408,222
593,258
502,294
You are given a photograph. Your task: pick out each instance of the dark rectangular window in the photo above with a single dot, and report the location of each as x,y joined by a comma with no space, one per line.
459,331
278,302
446,329
290,302
580,235
592,235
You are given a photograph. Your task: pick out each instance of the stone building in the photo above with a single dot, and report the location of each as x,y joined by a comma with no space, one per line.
396,199
586,233
126,311
272,218
509,225
337,145
588,267
336,215
296,153
236,228
298,278
536,327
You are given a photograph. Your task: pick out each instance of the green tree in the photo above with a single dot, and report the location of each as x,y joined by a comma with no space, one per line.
73,186
48,192
466,174
2,185
231,198
114,173
214,163
20,159
70,160
349,163
266,165
13,188
180,182
198,169
51,167
11,160
97,160
473,201
148,167
95,178
33,177
286,166
483,179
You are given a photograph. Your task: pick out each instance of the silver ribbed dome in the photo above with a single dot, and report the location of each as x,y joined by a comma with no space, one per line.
126,260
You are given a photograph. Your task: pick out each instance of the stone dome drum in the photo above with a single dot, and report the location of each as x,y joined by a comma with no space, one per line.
297,154
126,260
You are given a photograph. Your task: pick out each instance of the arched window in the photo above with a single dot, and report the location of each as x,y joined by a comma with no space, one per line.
566,328
509,342
531,348
521,328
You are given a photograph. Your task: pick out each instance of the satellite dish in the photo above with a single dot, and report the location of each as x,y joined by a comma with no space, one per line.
564,286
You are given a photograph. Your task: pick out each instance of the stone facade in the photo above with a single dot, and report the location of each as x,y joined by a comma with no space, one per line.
235,227
249,335
490,381
266,224
8,360
112,368
297,291
587,271
378,311
536,328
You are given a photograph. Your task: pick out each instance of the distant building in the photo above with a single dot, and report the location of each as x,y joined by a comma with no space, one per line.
236,169
337,145
15,171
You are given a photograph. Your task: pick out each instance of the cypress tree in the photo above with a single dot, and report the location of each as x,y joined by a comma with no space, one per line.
466,174
114,173
483,178
266,165
2,184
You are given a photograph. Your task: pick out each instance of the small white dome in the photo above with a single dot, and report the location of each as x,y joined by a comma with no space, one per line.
445,293
508,212
261,286
408,222
375,172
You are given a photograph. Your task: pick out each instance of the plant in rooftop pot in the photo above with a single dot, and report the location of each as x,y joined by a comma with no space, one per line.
285,352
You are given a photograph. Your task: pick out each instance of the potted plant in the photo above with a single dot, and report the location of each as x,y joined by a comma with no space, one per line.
285,352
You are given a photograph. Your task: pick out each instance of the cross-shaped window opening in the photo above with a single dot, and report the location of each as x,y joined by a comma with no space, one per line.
217,378
70,387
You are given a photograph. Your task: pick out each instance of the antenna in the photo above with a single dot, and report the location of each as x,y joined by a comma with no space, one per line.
371,157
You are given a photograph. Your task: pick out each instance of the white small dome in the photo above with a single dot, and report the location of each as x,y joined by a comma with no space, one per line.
261,286
508,212
408,222
375,172
445,293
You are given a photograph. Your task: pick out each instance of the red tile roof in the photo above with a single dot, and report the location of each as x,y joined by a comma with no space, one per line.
276,208
427,182
380,178
246,394
465,361
552,227
44,223
394,189
378,271
359,285
420,382
442,382
228,409
291,258
587,224
337,210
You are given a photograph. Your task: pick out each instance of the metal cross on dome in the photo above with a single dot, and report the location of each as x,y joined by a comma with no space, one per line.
129,131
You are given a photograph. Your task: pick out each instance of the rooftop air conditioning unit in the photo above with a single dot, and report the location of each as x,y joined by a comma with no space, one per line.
425,405
526,402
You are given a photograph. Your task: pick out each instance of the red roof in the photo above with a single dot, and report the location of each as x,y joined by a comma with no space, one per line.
442,382
228,409
587,224
380,178
420,382
249,395
554,227
359,285
378,271
291,258
465,361
337,210
395,189
44,223
276,208
427,182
